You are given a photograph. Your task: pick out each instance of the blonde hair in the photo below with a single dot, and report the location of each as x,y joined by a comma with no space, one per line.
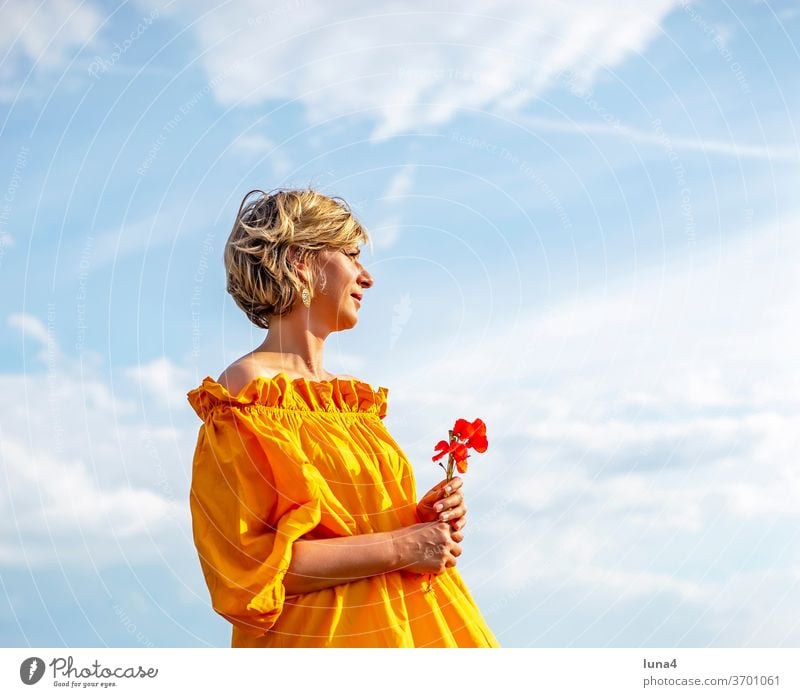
261,277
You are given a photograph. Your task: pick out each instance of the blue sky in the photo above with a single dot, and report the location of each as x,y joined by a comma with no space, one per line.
584,221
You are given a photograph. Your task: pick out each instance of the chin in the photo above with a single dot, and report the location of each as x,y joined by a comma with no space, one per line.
344,322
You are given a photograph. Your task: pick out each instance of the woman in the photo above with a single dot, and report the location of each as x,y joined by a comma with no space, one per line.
303,506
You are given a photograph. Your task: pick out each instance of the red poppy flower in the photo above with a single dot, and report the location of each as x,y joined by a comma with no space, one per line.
460,454
465,435
456,449
445,449
473,433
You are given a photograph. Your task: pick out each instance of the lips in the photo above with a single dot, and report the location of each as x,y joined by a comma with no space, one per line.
357,296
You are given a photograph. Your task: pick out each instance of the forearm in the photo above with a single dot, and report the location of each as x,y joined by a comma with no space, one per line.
318,564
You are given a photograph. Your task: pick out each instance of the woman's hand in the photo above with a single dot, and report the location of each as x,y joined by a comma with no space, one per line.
445,502
427,548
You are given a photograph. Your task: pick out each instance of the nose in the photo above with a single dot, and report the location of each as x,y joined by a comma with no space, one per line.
365,279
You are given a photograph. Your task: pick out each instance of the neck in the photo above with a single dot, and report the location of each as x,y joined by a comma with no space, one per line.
298,347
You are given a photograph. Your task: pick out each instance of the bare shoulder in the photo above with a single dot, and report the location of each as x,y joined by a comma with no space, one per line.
240,373
244,370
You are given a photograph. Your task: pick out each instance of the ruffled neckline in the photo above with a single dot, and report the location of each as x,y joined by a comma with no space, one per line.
342,395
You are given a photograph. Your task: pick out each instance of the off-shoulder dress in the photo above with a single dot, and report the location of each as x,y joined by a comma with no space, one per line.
286,459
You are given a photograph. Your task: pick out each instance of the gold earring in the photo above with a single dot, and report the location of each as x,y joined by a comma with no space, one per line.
305,295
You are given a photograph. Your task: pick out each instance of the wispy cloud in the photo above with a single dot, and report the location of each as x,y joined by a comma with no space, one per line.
146,232
405,66
392,200
30,326
386,233
258,145
786,153
401,183
41,38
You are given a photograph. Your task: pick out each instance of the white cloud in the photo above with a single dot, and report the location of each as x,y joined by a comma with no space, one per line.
401,183
42,38
407,66
143,234
30,326
258,145
88,477
385,233
83,481
643,442
164,381
138,235
51,497
777,153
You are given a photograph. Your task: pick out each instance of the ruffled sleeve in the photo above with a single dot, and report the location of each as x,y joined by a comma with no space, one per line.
252,496
254,491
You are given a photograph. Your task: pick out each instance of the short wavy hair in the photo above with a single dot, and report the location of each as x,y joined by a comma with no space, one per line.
261,277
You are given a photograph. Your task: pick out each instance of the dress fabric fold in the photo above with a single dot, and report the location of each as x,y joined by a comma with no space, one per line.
289,459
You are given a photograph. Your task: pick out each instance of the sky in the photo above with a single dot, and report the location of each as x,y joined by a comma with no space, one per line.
584,227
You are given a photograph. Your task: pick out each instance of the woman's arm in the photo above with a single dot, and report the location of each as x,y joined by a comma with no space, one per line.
422,548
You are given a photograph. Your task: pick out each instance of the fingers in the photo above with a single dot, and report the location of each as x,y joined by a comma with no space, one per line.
455,552
447,547
451,508
442,489
446,488
458,523
444,503
450,500
444,492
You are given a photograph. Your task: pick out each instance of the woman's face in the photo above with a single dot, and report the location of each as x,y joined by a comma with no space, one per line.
339,301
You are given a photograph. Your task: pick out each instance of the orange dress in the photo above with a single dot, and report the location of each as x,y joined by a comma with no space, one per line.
288,459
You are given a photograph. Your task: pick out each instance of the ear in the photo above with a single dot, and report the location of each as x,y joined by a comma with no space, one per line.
301,268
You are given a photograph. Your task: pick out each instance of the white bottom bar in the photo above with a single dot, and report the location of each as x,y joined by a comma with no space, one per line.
381,672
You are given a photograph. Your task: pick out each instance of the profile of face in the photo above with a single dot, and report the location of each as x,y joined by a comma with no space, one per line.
336,300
